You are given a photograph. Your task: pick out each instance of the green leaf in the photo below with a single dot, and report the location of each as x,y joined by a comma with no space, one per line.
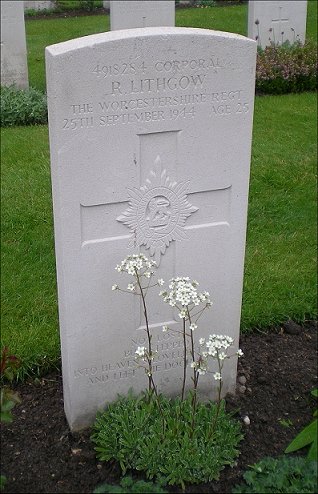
314,392
312,453
3,480
305,437
6,417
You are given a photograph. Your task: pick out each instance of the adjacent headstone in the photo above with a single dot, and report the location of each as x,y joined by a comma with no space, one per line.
141,13
152,117
106,4
14,69
38,4
274,22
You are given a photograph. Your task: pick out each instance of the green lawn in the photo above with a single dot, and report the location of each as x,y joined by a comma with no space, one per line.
41,33
280,269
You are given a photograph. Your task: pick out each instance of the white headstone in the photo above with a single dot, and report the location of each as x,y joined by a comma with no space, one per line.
135,117
274,22
126,14
14,68
38,4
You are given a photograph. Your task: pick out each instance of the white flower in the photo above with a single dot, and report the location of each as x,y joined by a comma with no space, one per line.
239,353
222,355
131,287
160,282
193,365
201,371
165,328
217,376
183,314
147,274
212,352
140,351
201,341
193,326
184,292
134,264
115,287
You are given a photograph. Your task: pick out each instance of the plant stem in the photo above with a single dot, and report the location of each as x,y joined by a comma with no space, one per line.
184,359
195,378
159,406
218,405
149,358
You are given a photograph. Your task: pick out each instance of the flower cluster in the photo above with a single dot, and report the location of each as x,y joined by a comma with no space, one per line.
215,347
287,68
184,294
215,343
136,264
200,366
139,266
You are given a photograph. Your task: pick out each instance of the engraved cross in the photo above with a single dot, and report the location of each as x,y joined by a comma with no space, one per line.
280,20
159,215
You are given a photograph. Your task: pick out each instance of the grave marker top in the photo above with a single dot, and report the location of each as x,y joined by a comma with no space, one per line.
277,21
14,69
141,13
38,4
150,137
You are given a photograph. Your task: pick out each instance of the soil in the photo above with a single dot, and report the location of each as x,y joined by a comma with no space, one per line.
40,455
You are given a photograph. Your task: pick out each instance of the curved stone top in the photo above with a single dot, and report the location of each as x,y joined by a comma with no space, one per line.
125,34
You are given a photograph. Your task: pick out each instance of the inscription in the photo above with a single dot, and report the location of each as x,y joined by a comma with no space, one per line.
153,109
169,355
160,84
116,69
175,90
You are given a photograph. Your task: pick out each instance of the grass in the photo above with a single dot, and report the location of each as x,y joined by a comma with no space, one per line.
29,310
280,271
44,32
280,275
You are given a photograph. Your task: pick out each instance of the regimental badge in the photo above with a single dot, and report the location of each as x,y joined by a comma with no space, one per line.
157,212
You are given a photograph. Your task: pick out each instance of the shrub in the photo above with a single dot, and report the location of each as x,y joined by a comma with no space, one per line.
131,431
127,484
280,475
87,5
287,68
22,107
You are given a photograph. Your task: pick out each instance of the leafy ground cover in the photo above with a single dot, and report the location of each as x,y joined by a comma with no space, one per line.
40,455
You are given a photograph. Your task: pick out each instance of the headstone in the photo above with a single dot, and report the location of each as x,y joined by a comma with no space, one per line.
141,13
38,4
14,68
274,22
137,117
106,4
